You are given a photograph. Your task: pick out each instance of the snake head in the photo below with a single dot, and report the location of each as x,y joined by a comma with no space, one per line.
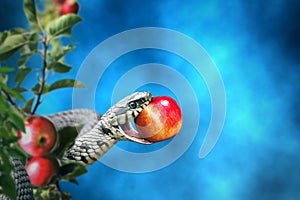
120,115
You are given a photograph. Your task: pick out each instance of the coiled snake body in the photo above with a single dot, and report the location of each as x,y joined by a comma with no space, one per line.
97,135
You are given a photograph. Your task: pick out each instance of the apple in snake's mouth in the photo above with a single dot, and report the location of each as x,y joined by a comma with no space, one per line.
160,120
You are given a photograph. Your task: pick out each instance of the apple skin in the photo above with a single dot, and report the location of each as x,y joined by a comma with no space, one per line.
160,120
40,137
69,6
42,170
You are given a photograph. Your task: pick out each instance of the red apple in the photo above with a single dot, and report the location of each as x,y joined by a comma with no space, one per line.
42,170
69,6
160,120
40,137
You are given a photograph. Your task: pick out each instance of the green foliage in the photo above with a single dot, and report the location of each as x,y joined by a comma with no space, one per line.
31,14
63,25
16,118
43,38
60,67
11,92
7,183
11,45
10,120
66,139
70,170
50,192
65,83
37,89
5,69
56,54
22,73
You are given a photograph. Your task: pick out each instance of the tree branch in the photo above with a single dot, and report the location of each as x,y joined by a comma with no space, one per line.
40,92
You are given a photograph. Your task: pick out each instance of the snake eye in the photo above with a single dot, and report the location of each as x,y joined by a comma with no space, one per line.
132,105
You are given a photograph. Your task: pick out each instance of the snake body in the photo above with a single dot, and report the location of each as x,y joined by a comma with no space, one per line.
97,134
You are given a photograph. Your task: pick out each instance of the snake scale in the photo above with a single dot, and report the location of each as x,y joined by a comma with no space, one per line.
97,135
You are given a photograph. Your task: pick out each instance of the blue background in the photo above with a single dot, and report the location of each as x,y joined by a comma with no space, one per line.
255,46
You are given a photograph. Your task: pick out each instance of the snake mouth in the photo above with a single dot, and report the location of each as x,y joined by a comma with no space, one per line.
131,134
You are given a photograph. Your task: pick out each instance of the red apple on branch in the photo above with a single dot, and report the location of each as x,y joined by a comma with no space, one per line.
40,137
160,120
69,6
42,170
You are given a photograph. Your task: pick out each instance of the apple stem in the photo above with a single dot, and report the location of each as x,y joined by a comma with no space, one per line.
43,80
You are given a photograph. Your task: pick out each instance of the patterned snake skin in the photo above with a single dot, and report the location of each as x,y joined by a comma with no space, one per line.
97,135
23,185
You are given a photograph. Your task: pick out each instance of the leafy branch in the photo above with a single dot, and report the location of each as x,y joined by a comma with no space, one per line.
44,54
44,36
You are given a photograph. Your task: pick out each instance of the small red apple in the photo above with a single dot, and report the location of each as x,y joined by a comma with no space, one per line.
160,120
69,6
40,136
42,170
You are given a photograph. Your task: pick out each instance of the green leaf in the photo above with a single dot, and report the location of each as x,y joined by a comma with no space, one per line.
57,53
4,159
13,31
3,103
31,14
32,46
16,118
4,133
20,89
66,83
9,140
8,134
66,139
70,170
27,108
63,25
61,68
67,196
8,185
50,192
5,69
27,50
3,36
11,44
22,73
45,194
18,152
12,92
23,59
16,31
55,45
3,78
36,88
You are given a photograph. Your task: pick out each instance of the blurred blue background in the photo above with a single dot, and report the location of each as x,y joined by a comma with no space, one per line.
255,46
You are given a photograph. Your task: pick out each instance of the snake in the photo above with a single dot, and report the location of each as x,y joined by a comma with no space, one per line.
98,134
